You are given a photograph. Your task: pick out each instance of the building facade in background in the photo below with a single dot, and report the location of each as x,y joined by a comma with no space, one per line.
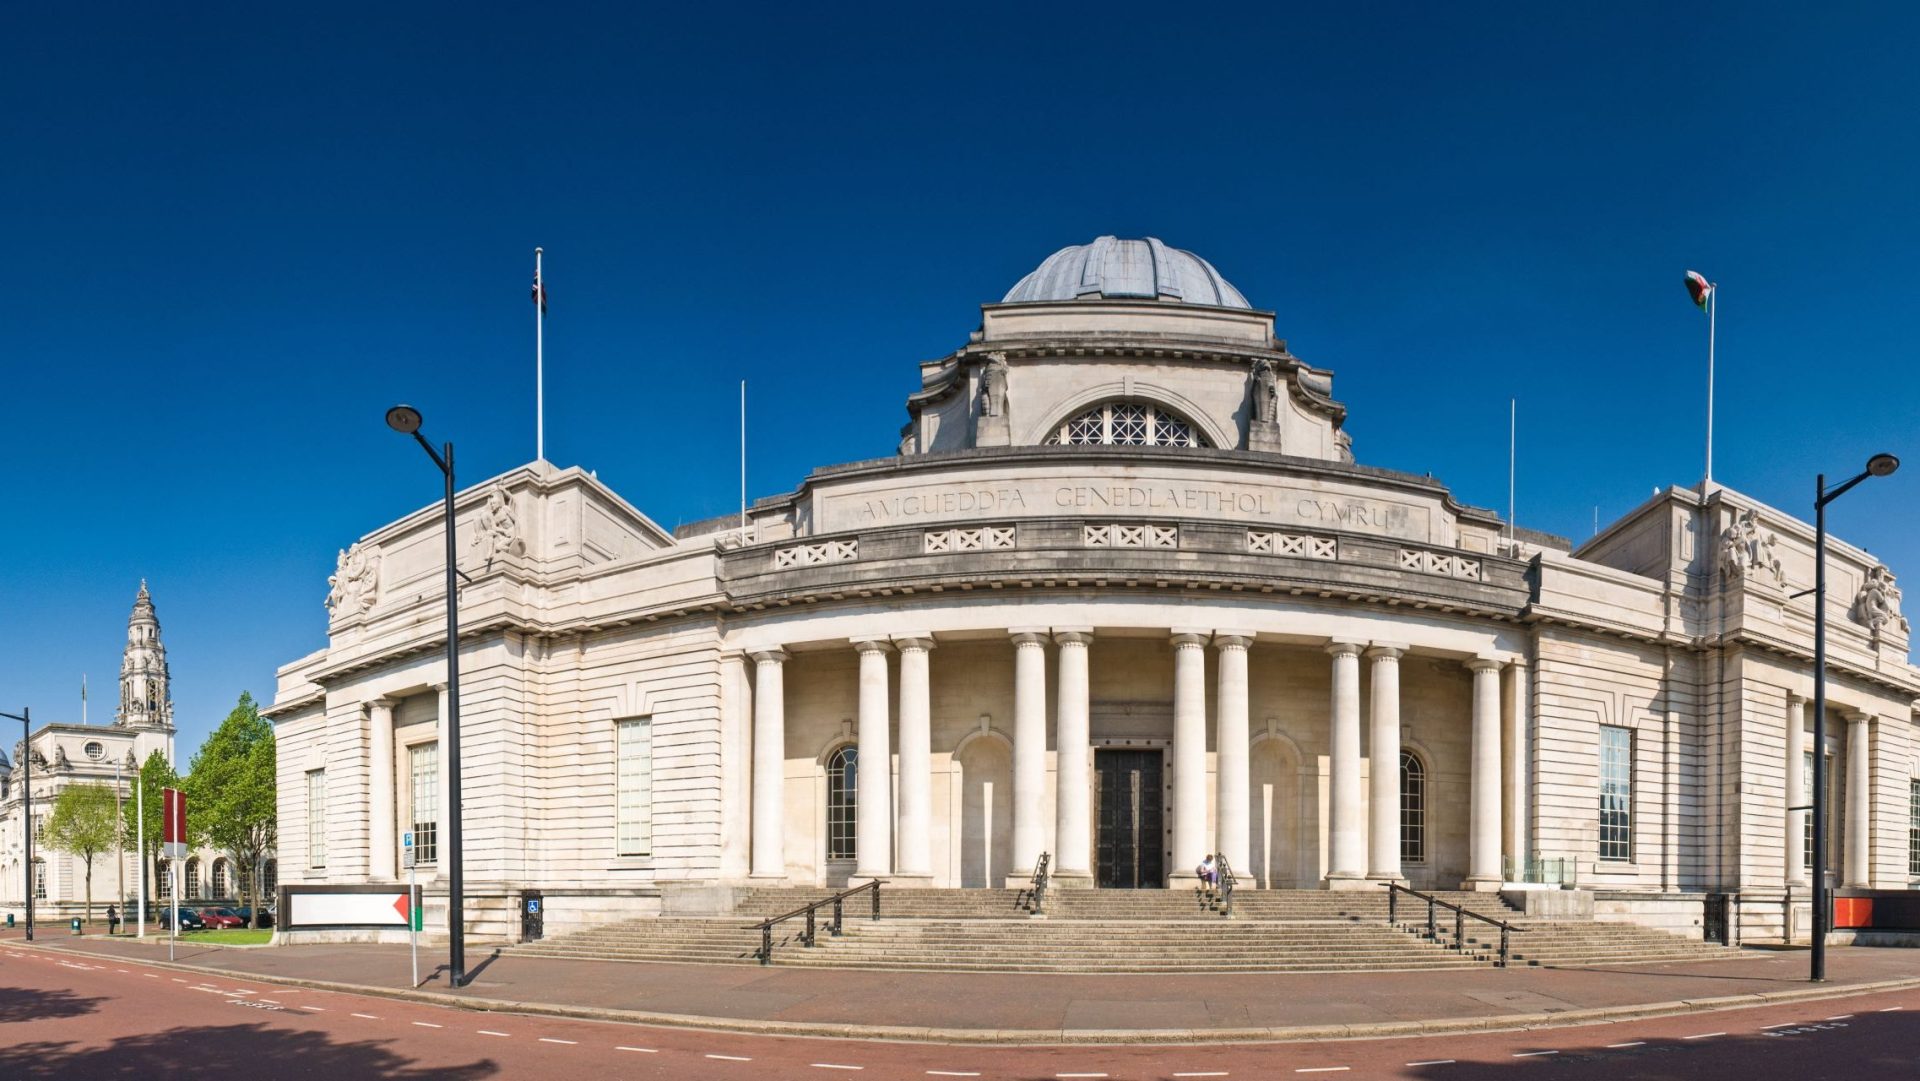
1124,598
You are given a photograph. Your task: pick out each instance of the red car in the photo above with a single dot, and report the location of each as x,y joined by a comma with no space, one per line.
221,918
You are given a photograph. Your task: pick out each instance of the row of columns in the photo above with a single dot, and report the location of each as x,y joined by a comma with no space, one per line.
1856,864
1362,846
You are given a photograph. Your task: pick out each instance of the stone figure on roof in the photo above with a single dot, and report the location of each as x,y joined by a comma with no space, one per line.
993,386
1266,391
1878,604
352,586
499,532
1747,551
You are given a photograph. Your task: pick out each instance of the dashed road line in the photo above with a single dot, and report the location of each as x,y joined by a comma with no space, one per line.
1840,1017
730,1058
642,1050
1324,1069
490,1032
428,1024
1432,1062
1533,1054
1704,1036
1079,1075
1889,1009
953,1073
366,1016
1629,1043
833,1066
316,1009
1207,1073
1783,1024
550,1039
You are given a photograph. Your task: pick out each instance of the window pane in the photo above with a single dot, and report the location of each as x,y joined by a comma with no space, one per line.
423,767
317,818
1913,829
841,796
1413,809
1616,793
634,832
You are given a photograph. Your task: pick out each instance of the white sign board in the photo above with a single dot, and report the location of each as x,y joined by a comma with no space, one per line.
385,909
406,849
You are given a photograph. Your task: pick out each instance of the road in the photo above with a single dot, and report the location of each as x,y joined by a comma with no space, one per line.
64,1015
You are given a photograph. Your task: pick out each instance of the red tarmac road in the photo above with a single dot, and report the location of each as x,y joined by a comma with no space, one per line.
64,1015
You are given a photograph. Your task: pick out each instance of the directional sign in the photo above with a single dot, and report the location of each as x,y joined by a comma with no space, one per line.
173,839
388,907
406,849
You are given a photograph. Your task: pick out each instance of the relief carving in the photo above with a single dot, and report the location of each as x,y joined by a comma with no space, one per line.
499,532
1748,551
1878,604
353,587
993,386
1266,392
60,758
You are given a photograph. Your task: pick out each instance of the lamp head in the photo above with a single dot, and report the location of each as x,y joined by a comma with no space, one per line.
1882,465
405,419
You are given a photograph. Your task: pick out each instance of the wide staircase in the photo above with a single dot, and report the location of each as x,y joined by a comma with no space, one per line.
1124,931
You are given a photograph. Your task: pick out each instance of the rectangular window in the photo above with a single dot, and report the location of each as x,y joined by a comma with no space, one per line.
39,880
1806,817
316,818
1913,829
635,770
423,766
164,887
1616,793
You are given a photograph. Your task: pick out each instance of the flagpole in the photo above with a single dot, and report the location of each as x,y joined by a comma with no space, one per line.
743,461
1713,304
1513,428
539,364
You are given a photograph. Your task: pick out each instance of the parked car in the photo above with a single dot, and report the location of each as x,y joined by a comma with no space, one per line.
222,918
189,919
266,916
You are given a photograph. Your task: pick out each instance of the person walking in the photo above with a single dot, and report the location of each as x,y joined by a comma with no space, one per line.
113,919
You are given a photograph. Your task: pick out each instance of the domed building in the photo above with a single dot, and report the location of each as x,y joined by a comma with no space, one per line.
1122,600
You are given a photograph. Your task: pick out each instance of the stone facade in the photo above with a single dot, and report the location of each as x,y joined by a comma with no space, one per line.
1123,598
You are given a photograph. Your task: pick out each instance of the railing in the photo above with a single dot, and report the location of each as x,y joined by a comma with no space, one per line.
1460,918
1042,877
1562,871
1227,880
765,952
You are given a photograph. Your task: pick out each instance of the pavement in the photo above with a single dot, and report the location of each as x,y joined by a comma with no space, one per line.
1040,1009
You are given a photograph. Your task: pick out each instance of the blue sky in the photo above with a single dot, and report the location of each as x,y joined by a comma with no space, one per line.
234,237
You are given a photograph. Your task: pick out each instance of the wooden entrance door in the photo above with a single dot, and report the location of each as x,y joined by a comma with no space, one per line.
1130,844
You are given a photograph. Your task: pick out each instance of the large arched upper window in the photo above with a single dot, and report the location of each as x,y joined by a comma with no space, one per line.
841,775
1126,424
193,877
220,882
1413,809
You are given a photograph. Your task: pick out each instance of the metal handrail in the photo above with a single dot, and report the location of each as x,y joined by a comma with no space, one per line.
1042,877
1460,916
1227,881
765,927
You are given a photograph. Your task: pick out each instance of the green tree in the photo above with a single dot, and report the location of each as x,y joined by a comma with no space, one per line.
231,792
84,823
156,773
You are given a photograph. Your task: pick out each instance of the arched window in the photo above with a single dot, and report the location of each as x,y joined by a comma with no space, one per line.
269,878
39,879
1413,809
193,878
841,766
220,883
1126,424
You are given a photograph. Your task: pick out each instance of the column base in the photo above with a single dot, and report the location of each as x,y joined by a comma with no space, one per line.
1346,880
907,882
1482,885
1378,877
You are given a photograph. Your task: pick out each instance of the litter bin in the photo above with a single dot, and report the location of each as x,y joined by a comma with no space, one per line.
9,921
75,925
532,916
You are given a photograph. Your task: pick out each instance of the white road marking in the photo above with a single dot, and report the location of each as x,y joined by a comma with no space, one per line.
1704,1036
642,1050
129,973
428,1024
1783,1024
316,1009
1079,1075
730,1058
1889,1009
1324,1069
549,1039
490,1032
177,979
1210,1073
366,1016
149,975
952,1073
1433,1062
833,1066
1629,1043
1840,1017
1534,1054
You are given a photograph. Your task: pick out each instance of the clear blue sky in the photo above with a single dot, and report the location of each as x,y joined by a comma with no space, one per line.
234,236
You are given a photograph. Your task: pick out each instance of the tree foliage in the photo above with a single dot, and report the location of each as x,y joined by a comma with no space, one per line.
83,822
231,792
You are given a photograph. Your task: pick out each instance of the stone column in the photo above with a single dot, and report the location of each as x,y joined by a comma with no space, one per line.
444,764
914,858
873,807
1029,751
1346,830
1516,711
1073,763
769,765
382,822
1383,749
1794,840
1233,748
1189,754
736,767
1858,869
1483,829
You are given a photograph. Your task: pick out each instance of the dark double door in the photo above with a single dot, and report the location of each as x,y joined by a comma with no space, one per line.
1129,830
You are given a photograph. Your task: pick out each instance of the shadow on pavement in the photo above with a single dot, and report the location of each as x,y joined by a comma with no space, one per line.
20,1004
240,1051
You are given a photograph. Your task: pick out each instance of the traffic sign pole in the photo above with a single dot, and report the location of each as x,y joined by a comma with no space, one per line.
413,905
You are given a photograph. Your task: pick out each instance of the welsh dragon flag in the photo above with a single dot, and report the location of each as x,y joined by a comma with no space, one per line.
1699,288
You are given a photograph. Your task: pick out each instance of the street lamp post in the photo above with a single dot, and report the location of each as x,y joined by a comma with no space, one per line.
26,802
1880,465
405,419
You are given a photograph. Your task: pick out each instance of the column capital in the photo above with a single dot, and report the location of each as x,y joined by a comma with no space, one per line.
1232,640
1183,639
1796,699
1386,651
1341,647
382,702
1856,717
870,645
775,655
919,642
1028,636
1483,664
1073,636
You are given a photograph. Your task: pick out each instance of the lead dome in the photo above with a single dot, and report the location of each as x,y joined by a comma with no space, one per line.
1113,269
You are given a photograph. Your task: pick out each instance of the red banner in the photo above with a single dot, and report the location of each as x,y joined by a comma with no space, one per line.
173,835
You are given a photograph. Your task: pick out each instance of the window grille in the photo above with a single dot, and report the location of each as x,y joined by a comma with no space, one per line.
1616,793
423,766
1913,829
316,818
193,878
220,883
635,769
39,880
1126,424
841,797
1413,809
269,878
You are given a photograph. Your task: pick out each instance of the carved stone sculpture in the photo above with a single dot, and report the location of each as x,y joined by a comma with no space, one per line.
1747,551
1878,605
993,386
1266,391
354,585
499,532
60,758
